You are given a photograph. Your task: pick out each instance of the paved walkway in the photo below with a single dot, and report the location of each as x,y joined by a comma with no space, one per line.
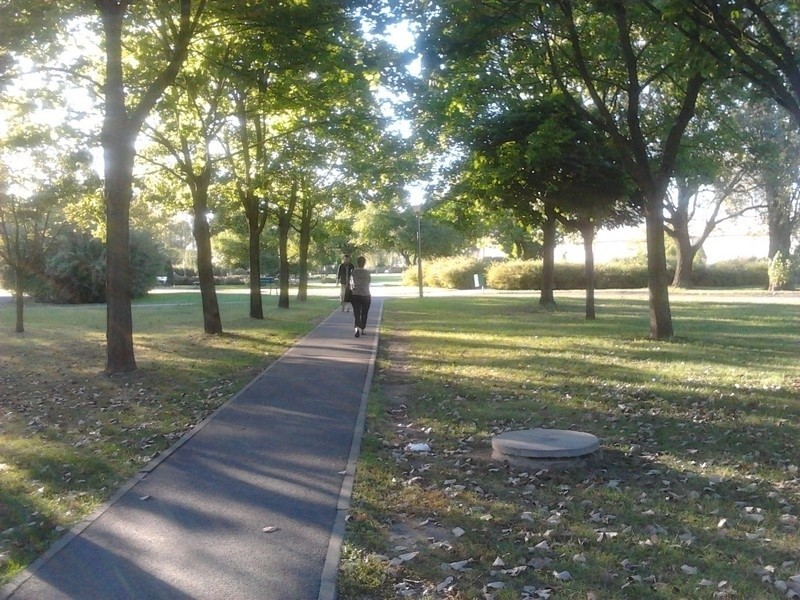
250,504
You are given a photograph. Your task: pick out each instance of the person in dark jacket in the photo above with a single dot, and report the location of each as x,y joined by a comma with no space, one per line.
361,298
343,279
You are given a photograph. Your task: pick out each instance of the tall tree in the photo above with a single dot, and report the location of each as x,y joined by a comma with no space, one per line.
773,148
191,117
545,157
644,83
124,117
640,78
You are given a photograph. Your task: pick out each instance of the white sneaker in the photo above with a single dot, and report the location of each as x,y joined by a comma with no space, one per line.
358,333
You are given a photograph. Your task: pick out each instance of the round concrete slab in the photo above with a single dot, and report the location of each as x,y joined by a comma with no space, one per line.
545,443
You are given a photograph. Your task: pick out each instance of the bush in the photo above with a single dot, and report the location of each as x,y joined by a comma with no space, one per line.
740,272
779,272
514,275
456,273
75,271
622,274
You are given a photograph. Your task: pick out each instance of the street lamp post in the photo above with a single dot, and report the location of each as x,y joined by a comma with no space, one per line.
418,211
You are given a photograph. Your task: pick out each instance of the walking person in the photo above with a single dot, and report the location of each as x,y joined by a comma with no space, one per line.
361,298
343,279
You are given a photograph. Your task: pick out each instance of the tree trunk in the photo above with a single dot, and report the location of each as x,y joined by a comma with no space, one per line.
119,133
212,322
684,260
284,224
546,298
254,250
19,301
306,214
779,221
587,232
118,153
660,314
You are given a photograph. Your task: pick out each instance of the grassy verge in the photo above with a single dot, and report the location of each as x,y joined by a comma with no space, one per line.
695,494
69,435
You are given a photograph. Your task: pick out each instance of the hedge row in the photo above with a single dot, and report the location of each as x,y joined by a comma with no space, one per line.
458,273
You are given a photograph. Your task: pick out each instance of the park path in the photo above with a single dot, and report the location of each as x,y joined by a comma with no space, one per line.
250,504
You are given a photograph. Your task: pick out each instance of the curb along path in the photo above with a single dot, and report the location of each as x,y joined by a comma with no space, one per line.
249,504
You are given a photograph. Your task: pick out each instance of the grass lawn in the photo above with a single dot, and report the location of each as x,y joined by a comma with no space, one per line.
70,436
695,494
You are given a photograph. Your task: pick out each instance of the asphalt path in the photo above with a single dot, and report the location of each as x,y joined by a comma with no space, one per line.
250,504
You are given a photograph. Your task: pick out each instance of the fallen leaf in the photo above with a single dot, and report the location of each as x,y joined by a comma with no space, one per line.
460,565
496,585
408,556
689,570
444,584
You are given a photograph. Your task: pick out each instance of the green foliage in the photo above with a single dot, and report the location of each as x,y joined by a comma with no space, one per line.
741,272
456,273
514,275
779,271
621,274
74,272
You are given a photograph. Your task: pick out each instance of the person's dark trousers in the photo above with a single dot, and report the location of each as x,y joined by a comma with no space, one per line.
361,309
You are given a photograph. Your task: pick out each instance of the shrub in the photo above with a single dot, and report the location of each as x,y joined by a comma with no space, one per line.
452,273
779,272
75,272
621,274
740,272
514,275
457,273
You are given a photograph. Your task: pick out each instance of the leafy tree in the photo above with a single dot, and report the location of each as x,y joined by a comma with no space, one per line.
631,75
773,147
546,154
757,39
33,199
191,117
128,102
27,229
644,83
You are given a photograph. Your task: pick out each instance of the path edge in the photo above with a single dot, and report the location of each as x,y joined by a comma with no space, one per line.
330,569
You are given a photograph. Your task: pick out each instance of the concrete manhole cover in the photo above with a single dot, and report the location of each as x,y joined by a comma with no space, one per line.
545,443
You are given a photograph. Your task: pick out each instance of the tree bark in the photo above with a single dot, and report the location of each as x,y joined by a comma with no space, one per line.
660,314
19,302
587,233
212,322
118,149
119,132
254,248
284,225
684,259
780,220
306,225
546,297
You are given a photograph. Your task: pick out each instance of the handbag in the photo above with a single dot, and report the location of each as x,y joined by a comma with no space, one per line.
348,294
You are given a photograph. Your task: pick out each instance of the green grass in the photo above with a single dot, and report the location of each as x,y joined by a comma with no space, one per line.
70,435
695,494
